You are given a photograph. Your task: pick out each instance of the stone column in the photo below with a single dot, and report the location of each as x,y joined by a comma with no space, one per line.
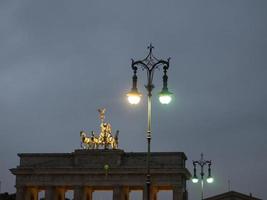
78,193
20,194
88,193
50,193
53,193
60,194
126,193
120,193
177,193
31,194
154,193
83,193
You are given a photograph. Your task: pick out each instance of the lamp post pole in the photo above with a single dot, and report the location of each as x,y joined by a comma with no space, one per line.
148,136
202,163
149,64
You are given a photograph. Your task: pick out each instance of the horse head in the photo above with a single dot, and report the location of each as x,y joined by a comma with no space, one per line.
82,135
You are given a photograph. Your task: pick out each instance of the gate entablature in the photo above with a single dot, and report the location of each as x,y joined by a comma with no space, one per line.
98,158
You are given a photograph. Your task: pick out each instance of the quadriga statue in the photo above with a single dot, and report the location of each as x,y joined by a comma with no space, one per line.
105,138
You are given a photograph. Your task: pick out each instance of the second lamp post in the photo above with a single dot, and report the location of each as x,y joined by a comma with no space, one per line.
149,64
202,163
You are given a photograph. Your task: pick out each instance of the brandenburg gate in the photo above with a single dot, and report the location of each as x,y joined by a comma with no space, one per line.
93,168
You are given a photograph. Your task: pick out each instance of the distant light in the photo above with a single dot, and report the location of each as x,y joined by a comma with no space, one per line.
194,179
106,167
134,97
210,179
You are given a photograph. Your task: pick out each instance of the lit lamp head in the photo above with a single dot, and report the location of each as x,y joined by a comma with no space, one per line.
195,179
134,96
165,96
210,178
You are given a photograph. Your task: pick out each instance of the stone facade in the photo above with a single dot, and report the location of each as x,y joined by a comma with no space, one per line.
85,171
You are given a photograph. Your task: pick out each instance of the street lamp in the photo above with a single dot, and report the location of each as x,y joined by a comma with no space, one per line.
149,64
202,163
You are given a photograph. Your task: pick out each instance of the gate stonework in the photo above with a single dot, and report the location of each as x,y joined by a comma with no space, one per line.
86,171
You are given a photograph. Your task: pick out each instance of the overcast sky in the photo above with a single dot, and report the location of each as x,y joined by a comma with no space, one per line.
61,60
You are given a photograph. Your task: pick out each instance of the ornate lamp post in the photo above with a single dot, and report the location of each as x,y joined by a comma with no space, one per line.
202,163
149,64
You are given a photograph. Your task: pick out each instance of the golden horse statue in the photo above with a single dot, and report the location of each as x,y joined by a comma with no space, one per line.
105,139
88,142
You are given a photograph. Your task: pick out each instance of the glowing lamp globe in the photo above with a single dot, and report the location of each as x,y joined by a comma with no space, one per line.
210,179
165,97
195,179
134,97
